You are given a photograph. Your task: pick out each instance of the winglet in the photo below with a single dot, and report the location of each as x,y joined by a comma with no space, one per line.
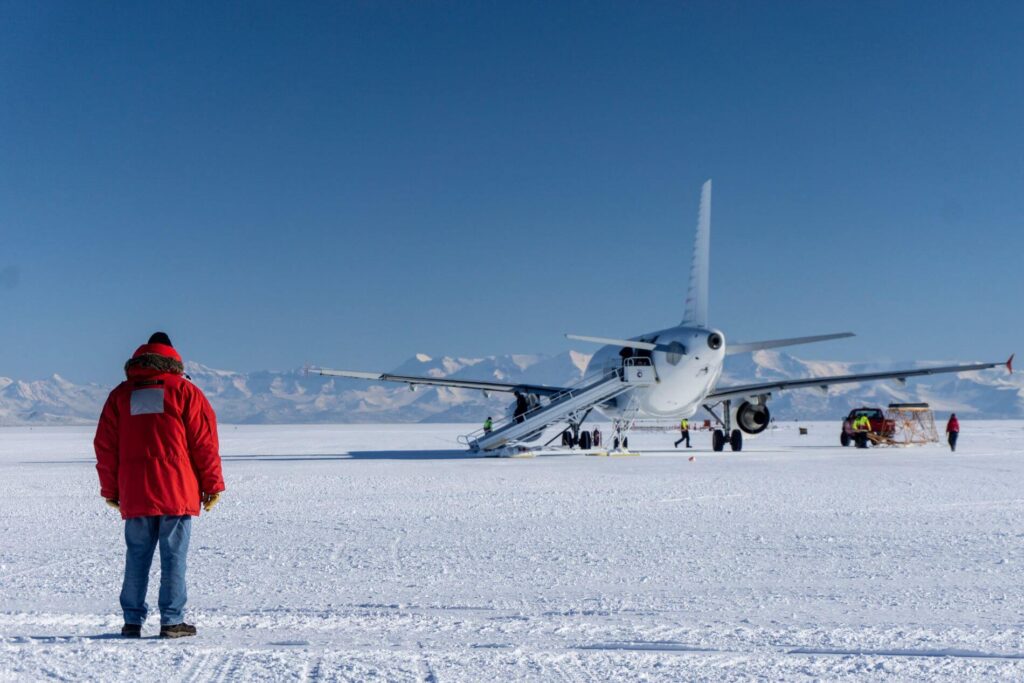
1009,363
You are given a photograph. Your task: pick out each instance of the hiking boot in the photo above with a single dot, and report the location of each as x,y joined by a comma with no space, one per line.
131,631
177,630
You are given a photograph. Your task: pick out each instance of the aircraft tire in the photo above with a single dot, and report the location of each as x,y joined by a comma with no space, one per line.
615,443
717,440
585,440
736,440
625,442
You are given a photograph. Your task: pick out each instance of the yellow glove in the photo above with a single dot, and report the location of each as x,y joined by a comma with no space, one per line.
114,504
209,500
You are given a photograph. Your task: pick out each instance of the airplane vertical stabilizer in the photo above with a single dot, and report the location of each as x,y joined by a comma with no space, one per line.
697,297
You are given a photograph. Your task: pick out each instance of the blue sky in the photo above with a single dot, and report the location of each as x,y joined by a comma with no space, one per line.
350,183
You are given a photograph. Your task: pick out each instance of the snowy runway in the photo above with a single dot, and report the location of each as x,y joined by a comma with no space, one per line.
382,552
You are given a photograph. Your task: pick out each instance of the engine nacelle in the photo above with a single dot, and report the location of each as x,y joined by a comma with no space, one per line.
752,418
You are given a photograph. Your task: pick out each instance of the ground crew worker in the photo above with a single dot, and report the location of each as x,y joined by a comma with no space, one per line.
158,459
488,425
684,431
862,425
952,431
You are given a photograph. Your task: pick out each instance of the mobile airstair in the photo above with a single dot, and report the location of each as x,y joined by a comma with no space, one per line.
566,406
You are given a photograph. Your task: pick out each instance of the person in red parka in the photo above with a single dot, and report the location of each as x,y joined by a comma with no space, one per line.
952,431
158,460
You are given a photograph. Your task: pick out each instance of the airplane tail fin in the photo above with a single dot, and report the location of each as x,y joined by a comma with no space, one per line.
696,312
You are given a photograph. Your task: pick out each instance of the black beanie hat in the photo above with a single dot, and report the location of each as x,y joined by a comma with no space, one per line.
160,338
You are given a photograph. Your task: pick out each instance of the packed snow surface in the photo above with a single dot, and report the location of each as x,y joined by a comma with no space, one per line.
365,552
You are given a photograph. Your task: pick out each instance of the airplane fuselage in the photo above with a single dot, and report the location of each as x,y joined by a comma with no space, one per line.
688,363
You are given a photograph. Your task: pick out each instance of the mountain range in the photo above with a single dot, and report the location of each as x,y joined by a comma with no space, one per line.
292,396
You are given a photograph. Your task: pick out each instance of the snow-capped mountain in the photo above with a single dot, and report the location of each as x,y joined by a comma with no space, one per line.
294,397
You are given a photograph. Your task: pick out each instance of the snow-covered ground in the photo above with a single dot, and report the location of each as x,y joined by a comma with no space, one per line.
366,552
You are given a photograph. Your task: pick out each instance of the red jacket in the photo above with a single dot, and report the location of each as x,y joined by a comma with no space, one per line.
953,426
156,443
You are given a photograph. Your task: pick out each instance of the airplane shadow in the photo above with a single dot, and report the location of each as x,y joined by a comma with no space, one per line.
360,455
312,457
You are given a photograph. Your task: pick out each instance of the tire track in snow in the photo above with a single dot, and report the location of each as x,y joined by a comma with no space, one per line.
314,672
194,672
396,560
426,671
226,667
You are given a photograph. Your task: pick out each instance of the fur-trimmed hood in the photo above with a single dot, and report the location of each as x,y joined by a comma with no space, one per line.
156,358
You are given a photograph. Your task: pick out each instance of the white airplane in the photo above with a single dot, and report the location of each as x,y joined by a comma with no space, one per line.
666,374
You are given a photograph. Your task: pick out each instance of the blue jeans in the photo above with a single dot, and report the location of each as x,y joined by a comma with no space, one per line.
141,535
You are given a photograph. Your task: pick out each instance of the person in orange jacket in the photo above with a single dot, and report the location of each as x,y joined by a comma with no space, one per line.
952,431
158,460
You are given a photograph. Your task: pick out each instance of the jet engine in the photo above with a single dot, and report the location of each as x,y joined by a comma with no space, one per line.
752,418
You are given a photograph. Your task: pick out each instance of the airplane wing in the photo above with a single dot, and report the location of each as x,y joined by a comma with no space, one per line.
482,385
745,390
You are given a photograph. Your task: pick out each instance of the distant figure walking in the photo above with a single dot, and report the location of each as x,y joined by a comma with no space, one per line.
952,431
522,405
158,459
684,431
488,425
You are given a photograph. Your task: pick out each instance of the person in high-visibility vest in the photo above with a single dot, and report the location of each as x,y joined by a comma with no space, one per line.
488,425
862,424
861,427
684,431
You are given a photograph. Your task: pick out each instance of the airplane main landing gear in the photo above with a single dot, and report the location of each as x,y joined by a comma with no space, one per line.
719,438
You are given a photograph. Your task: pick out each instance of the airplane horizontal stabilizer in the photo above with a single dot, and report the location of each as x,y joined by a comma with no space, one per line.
776,343
610,341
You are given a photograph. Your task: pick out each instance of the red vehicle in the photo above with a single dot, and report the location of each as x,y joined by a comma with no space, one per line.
880,424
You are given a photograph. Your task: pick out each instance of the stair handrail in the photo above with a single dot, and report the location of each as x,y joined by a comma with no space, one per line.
584,383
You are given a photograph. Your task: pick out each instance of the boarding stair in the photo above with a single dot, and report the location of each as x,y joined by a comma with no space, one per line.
635,373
